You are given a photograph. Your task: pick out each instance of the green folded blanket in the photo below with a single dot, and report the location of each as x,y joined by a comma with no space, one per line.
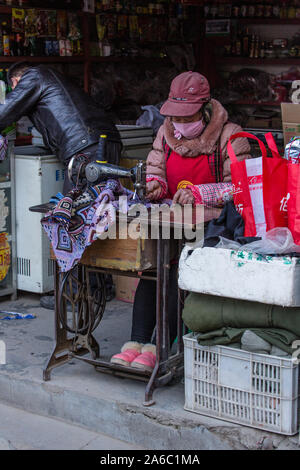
222,320
280,338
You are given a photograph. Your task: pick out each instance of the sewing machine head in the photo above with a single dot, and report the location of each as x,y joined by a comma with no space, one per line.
96,172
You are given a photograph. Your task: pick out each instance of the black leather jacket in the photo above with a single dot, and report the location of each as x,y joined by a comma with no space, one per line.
67,118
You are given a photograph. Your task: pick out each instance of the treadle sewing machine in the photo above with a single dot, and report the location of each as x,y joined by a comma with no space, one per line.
122,256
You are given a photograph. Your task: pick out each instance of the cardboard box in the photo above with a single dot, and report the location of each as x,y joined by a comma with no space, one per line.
290,113
125,288
259,122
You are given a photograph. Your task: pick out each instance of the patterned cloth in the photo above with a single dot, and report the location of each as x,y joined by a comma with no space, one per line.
3,147
212,194
81,217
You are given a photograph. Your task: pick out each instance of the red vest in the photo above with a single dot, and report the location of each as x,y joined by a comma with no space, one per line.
184,171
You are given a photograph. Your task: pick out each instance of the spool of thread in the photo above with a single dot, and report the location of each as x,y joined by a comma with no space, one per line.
101,148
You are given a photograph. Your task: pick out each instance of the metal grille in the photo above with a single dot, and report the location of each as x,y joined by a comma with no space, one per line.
51,267
258,390
23,266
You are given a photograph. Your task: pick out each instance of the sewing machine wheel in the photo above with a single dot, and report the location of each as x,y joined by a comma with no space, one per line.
84,294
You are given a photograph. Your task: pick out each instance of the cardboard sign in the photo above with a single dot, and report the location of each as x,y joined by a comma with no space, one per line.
5,259
290,113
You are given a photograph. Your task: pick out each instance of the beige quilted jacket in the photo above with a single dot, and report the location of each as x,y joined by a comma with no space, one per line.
218,127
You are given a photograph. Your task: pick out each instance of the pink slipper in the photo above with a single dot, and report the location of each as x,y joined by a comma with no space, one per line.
130,351
146,360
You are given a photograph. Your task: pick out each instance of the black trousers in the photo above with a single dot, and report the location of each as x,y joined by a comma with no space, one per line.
144,309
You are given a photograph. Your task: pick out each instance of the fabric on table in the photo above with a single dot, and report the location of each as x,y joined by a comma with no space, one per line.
82,216
206,313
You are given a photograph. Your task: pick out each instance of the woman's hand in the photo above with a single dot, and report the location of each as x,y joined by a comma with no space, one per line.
153,190
183,196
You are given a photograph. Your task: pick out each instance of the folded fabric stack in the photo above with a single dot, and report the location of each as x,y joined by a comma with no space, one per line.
253,326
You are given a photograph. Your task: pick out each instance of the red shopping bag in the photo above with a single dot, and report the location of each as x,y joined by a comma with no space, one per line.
292,201
259,188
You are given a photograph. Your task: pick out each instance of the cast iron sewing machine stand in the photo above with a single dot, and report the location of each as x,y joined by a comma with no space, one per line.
77,340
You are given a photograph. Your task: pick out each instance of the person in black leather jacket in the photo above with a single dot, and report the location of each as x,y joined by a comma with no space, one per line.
68,119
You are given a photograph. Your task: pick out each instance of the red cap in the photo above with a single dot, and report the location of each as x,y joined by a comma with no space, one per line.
188,92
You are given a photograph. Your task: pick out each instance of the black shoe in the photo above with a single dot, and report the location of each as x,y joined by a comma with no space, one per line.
47,301
109,288
110,293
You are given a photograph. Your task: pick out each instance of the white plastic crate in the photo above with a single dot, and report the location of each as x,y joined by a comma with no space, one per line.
252,389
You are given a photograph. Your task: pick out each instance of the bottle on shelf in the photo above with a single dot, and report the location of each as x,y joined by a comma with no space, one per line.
256,48
276,10
262,50
268,10
2,87
1,40
283,10
251,10
291,12
8,86
19,45
238,46
245,43
269,51
5,39
252,47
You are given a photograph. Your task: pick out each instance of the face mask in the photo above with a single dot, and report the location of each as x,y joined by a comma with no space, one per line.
190,130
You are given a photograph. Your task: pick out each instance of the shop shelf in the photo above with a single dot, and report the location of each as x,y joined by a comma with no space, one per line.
6,10
129,59
42,59
256,103
248,61
264,21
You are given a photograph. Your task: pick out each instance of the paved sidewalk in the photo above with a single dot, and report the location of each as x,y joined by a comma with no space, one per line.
78,394
20,430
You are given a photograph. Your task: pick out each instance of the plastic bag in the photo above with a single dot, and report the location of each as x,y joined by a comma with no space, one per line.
150,118
278,241
292,150
4,315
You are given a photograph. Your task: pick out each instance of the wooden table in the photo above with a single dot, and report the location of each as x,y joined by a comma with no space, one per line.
127,257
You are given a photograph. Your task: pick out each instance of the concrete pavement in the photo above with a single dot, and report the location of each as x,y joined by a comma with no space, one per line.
20,430
78,394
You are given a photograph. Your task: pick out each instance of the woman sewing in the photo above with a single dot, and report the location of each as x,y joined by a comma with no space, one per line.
189,164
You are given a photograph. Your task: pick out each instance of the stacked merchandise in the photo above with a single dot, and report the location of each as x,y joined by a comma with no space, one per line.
250,303
40,32
252,9
249,92
127,28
